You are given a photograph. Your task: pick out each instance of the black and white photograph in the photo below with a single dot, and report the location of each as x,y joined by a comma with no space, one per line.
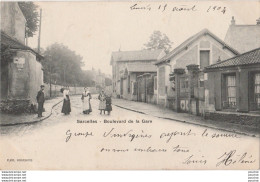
171,85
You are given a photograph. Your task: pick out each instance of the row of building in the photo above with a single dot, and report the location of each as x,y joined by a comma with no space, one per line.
203,74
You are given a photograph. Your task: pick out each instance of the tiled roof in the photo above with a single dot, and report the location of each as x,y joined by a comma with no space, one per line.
251,57
15,44
141,67
243,37
141,55
189,41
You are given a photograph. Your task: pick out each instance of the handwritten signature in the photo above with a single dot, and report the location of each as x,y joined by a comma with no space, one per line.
229,158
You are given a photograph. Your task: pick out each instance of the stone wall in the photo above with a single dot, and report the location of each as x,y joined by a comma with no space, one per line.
12,20
55,90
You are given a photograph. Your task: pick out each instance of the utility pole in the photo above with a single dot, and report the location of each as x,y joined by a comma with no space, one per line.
64,80
39,37
26,34
50,79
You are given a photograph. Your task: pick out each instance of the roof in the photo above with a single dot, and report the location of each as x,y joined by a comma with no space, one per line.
243,37
141,67
141,55
251,57
15,44
189,41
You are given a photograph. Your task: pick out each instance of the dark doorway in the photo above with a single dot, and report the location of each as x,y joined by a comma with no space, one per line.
4,79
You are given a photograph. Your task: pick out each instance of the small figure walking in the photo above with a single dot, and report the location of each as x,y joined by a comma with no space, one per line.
66,109
40,100
102,102
108,104
85,97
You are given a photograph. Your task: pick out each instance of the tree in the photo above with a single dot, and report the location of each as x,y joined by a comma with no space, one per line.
159,41
31,15
64,63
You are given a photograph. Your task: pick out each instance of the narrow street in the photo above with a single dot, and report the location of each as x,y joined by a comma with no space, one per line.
99,145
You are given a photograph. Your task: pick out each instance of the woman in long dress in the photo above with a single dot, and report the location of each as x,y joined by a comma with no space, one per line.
108,105
102,102
86,96
66,109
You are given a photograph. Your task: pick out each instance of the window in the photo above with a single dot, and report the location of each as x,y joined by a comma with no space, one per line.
204,59
201,81
184,85
155,83
231,91
257,90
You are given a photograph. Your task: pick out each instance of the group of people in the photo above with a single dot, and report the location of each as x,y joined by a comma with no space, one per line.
104,101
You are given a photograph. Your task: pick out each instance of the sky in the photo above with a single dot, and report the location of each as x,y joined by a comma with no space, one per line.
95,29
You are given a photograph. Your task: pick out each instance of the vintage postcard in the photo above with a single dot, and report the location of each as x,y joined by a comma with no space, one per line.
130,85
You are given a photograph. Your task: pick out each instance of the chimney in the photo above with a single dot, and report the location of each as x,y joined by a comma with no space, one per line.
258,21
233,21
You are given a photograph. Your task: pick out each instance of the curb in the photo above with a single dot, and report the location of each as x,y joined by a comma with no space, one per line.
34,121
183,121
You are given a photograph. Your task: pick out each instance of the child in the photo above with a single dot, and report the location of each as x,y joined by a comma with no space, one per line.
108,104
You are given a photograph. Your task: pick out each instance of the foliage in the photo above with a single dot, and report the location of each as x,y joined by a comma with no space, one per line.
15,106
31,15
159,41
62,66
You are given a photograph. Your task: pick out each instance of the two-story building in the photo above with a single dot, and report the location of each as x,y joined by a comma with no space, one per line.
21,68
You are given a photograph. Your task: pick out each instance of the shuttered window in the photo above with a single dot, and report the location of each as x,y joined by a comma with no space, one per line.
231,91
257,90
204,59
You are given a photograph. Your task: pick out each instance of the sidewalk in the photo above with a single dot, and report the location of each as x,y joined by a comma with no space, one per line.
26,118
165,113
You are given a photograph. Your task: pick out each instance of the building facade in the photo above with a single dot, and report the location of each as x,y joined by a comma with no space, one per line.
100,80
128,73
243,38
21,68
197,52
234,84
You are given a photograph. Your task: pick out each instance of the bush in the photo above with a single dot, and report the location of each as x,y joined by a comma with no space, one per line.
15,106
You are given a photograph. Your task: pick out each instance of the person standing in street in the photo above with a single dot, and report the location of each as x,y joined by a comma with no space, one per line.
66,109
108,104
85,97
102,102
40,100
